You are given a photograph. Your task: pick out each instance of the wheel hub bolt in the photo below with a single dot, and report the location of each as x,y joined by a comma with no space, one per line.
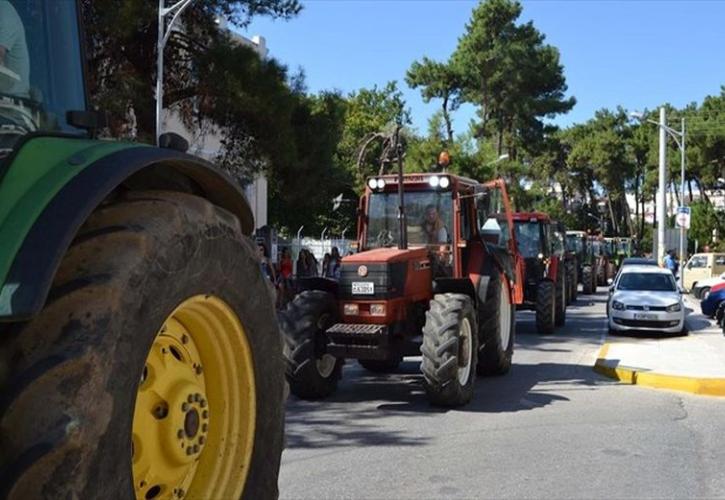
198,369
189,450
202,403
184,339
190,399
197,397
185,407
180,434
202,439
204,427
196,448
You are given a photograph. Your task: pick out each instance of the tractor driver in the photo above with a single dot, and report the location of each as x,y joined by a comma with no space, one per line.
433,227
13,52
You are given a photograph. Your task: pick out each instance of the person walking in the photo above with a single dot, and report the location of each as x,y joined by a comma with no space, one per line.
335,264
671,262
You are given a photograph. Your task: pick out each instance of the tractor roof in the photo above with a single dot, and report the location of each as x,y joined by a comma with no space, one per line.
576,233
424,178
531,217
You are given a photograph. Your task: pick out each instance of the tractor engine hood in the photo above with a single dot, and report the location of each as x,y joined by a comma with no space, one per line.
383,273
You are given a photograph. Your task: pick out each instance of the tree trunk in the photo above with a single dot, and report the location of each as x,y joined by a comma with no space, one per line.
611,215
689,188
447,119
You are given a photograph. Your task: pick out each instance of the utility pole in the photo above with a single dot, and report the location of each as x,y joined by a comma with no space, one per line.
683,250
661,195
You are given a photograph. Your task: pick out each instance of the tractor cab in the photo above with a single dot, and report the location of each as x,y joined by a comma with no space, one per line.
41,71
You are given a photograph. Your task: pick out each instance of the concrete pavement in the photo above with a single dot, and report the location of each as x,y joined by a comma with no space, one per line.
552,428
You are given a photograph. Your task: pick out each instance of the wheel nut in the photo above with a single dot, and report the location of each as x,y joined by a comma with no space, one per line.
190,399
198,369
181,493
205,414
189,450
202,439
204,427
184,339
185,407
196,448
202,403
180,434
197,397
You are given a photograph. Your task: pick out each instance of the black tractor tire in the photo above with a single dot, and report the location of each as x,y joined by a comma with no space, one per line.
704,292
589,281
69,377
311,375
575,285
545,307
444,349
495,346
560,306
380,365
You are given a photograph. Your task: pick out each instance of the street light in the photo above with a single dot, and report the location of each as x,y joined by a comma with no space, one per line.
679,138
501,158
164,34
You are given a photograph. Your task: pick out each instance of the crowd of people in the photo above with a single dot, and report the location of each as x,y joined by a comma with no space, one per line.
282,273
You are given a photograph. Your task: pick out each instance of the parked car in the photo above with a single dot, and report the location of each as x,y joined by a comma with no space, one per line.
702,266
716,296
646,298
702,289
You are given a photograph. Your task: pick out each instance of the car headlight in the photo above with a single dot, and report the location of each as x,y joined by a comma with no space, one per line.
351,309
617,305
377,309
674,308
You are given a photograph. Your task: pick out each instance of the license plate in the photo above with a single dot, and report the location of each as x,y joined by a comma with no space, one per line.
363,288
645,316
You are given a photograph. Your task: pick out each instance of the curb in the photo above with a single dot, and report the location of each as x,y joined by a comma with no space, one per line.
644,377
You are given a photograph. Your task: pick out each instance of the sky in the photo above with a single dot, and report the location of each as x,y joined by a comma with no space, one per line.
634,53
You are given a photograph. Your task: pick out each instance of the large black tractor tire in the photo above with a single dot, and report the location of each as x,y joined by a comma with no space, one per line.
589,281
545,307
70,377
450,349
560,306
380,365
311,373
496,329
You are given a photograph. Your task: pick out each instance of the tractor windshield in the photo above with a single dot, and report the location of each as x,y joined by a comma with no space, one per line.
574,243
529,238
429,215
41,75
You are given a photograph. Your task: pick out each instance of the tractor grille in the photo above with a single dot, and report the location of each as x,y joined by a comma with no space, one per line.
388,280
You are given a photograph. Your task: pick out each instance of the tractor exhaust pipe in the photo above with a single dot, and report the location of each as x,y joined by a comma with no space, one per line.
402,221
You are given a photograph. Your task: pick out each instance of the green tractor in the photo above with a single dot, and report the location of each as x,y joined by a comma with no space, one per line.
140,355
579,244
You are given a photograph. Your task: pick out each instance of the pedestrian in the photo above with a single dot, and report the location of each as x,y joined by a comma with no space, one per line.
311,262
285,271
264,263
326,265
335,264
671,262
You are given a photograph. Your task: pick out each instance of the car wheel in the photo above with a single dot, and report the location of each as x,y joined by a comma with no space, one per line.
704,293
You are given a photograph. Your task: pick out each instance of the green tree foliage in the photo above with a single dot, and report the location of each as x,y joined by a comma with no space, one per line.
511,75
437,81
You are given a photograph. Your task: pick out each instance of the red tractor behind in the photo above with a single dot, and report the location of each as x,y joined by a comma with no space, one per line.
435,276
545,283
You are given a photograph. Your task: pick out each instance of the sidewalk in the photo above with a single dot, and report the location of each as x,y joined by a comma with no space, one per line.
695,363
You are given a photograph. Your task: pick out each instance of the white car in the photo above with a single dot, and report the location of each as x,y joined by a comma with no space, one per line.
646,298
701,289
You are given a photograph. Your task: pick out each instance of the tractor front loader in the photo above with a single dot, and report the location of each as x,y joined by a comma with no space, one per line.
140,355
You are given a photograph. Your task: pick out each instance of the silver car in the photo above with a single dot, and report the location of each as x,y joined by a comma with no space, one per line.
646,298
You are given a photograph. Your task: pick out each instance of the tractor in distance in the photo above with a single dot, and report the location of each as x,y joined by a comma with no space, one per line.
559,242
545,281
434,276
603,259
140,354
580,245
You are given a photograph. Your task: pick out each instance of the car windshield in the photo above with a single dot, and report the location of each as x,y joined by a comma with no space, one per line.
41,76
649,282
429,215
528,237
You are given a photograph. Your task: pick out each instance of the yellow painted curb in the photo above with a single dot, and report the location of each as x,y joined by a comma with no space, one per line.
634,376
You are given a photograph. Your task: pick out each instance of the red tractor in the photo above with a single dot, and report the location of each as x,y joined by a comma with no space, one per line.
435,276
545,283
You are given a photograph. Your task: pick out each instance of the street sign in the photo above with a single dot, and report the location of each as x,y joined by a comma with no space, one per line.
683,217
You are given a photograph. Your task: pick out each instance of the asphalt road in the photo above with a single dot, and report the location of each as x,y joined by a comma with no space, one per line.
551,428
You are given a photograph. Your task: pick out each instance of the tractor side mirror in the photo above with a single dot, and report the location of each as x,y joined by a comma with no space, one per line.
491,231
610,281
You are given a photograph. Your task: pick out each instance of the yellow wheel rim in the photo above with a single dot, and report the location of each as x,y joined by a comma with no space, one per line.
193,424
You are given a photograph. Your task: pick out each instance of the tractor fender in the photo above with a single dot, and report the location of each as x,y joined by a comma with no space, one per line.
29,277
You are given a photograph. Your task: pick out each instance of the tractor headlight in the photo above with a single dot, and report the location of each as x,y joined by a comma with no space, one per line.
434,181
617,305
373,183
541,256
351,309
444,182
377,309
674,308
381,183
